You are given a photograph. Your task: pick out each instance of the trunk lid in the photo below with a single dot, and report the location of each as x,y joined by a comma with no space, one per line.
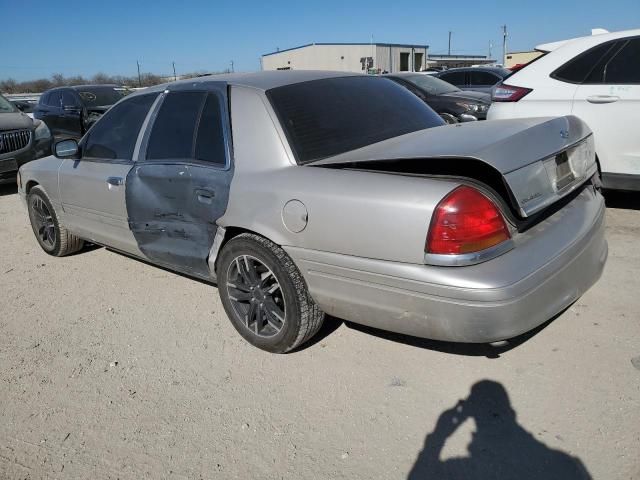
540,159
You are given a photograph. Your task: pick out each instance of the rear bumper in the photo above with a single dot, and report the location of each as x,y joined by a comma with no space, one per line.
552,265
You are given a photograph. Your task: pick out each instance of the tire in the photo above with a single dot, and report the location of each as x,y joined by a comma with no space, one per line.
271,307
52,236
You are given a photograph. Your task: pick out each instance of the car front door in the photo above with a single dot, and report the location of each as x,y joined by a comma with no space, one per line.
52,114
179,186
93,187
608,100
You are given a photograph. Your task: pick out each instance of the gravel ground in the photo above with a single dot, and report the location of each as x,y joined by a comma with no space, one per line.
113,368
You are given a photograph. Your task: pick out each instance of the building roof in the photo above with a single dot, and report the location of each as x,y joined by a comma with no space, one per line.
400,45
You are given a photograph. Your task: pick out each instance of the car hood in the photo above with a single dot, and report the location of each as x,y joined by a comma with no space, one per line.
15,121
469,95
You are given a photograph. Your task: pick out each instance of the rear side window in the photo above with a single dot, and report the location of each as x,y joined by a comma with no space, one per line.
624,67
483,78
54,98
577,69
189,126
115,134
455,78
68,100
330,116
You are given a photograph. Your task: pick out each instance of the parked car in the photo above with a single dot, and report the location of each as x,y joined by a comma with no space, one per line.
596,78
478,79
302,193
24,106
70,111
451,103
21,140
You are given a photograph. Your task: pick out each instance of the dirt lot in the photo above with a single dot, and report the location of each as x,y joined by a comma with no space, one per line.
112,368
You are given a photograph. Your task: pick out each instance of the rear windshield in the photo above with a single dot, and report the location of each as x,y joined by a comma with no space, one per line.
99,96
322,118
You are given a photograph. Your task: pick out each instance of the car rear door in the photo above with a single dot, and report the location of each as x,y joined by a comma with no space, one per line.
51,114
70,120
93,188
609,100
179,186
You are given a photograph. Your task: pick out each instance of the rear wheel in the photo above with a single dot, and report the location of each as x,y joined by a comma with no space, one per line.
52,236
265,296
447,117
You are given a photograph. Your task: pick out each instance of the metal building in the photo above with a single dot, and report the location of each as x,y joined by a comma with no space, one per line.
349,57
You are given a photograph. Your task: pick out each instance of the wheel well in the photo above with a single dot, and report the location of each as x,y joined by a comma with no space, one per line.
30,184
230,233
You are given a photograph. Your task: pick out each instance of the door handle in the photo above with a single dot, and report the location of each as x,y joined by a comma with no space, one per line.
115,181
205,196
602,99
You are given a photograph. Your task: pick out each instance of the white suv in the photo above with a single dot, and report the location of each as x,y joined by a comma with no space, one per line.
596,78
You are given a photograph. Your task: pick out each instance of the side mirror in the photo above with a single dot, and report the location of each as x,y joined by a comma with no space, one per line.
67,149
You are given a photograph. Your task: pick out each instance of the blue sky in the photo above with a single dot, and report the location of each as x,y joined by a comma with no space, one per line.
39,38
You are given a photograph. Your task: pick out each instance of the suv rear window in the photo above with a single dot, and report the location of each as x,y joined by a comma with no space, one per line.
327,117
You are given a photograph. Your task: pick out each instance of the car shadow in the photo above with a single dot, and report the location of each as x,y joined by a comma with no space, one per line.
8,189
622,199
500,448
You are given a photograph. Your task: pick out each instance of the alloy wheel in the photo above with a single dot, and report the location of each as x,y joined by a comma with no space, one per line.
44,225
256,296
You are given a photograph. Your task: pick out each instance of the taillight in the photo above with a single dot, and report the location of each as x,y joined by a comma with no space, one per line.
509,93
465,221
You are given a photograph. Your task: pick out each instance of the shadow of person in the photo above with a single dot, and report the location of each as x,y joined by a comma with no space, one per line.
500,447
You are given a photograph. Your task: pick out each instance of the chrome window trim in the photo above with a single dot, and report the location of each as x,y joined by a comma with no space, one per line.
466,259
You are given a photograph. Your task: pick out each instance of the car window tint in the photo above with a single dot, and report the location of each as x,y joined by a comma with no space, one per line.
174,129
54,99
210,138
330,116
624,67
454,78
577,69
482,78
115,134
68,99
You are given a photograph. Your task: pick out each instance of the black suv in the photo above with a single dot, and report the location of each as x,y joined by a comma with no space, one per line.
70,111
21,139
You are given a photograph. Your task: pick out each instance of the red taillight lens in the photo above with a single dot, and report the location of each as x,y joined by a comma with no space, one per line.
509,93
465,221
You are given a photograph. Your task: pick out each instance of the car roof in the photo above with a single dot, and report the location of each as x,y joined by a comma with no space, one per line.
597,36
475,69
263,80
103,85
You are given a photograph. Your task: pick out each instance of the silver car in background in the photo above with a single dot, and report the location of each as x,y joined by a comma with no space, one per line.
305,193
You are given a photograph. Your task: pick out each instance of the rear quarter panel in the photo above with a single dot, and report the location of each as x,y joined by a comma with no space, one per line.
357,213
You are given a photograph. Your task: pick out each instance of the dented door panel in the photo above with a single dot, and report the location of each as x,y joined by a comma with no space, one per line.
173,209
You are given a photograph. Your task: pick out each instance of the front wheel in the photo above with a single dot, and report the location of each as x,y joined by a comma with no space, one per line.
448,118
51,234
265,296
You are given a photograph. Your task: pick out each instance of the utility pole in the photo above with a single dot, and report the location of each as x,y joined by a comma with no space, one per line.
449,51
174,71
504,45
490,48
232,70
139,78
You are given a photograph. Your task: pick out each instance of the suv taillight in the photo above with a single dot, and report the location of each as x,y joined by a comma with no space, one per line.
465,221
509,93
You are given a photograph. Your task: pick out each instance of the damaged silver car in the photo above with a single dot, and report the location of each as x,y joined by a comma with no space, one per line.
310,193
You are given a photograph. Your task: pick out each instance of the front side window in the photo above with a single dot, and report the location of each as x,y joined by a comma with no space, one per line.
114,136
189,126
327,117
6,106
54,99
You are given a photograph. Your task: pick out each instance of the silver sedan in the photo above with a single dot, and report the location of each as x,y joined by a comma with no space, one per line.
310,193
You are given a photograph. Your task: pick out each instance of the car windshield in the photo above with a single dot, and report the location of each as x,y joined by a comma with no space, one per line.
98,96
326,117
6,106
431,85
